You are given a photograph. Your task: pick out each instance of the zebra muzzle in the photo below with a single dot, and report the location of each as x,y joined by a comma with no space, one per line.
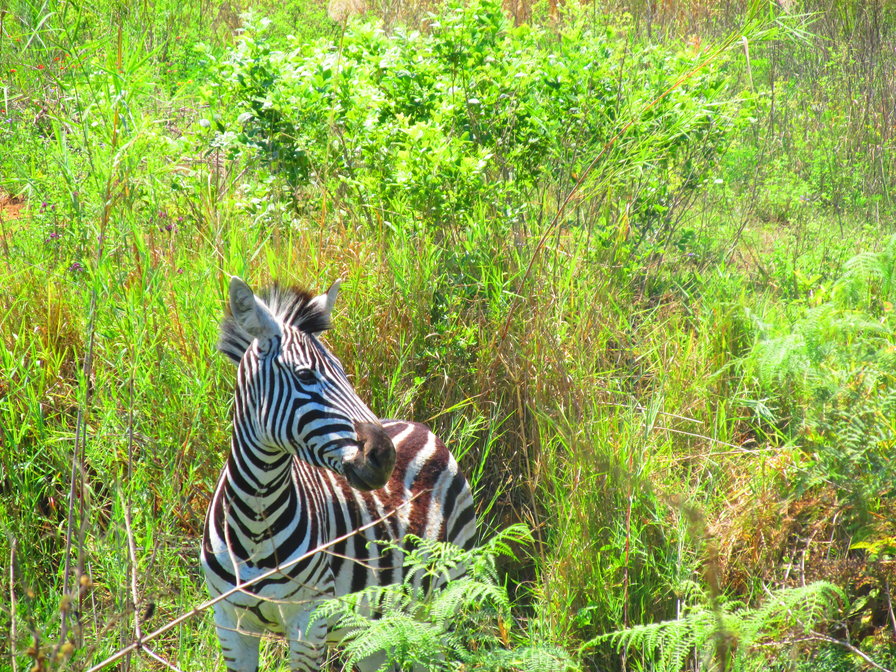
375,461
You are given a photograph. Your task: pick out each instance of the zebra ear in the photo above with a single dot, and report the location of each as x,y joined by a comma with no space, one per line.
250,313
323,305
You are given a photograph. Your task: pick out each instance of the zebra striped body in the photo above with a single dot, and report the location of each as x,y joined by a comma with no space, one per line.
309,462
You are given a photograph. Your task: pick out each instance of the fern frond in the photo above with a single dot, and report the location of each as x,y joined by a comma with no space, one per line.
668,645
528,659
865,265
345,609
461,620
402,638
867,275
803,607
465,595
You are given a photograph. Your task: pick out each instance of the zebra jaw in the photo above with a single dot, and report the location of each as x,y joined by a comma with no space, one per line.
373,465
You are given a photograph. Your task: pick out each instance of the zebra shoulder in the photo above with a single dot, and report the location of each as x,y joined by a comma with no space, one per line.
424,463
417,447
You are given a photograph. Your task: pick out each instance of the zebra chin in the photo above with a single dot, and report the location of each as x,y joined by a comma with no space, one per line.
375,461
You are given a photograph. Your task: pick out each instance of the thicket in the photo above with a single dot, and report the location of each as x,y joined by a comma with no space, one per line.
473,119
634,269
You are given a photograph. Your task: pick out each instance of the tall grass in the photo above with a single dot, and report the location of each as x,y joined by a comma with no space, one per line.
583,358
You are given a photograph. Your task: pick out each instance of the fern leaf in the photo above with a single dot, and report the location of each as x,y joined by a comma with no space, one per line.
667,646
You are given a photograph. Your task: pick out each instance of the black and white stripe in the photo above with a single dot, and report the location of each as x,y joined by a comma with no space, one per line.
309,462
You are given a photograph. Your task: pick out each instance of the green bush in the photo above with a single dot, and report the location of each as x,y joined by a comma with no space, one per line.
475,118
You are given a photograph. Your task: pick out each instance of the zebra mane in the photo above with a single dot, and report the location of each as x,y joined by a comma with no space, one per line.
291,306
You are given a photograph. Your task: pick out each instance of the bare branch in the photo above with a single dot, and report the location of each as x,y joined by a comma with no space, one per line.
852,649
13,634
818,637
171,666
132,553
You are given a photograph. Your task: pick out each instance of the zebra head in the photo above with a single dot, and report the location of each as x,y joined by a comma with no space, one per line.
292,394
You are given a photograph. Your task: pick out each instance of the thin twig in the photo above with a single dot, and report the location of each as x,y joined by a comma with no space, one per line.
890,606
739,449
818,637
81,421
76,484
126,506
13,633
746,44
366,565
132,554
133,646
152,654
682,458
641,409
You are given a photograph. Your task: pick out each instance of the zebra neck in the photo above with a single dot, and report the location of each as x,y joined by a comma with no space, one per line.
260,492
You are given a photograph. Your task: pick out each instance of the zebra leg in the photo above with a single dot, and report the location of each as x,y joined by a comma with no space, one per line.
306,644
372,663
240,647
375,662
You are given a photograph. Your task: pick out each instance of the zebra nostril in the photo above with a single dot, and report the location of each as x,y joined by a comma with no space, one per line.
371,455
364,444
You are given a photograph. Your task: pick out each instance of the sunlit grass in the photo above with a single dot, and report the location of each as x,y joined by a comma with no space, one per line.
590,385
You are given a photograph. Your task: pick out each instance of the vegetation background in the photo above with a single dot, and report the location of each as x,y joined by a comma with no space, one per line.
633,261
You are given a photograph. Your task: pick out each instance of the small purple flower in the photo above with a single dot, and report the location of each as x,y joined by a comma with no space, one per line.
180,271
43,205
76,267
170,228
53,236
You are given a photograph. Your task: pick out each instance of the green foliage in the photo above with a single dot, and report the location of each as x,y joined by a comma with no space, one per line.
451,612
474,117
831,376
590,376
725,638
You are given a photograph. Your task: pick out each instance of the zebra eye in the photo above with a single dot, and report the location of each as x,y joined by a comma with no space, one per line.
306,376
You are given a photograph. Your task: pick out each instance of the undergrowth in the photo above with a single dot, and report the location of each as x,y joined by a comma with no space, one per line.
635,268
442,621
725,637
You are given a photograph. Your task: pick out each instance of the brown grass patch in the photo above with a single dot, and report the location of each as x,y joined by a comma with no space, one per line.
792,541
11,207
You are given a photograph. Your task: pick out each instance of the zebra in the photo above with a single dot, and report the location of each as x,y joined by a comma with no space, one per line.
308,463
